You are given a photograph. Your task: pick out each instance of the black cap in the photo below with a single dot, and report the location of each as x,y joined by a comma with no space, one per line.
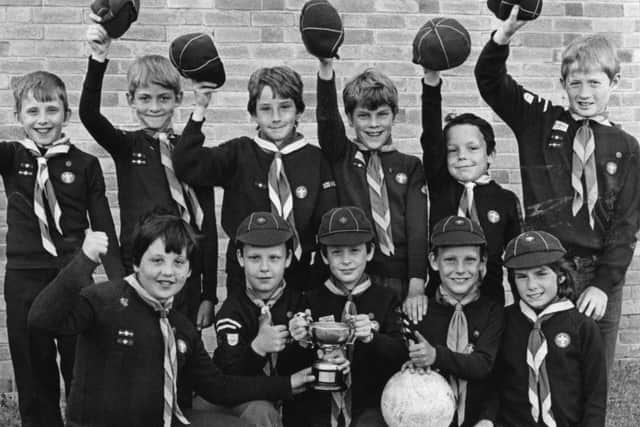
532,249
263,229
441,43
345,226
116,16
457,231
321,28
195,57
529,9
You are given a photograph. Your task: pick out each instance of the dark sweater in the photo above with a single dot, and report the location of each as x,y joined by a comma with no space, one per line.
119,374
79,187
241,167
545,133
404,177
142,183
498,208
576,370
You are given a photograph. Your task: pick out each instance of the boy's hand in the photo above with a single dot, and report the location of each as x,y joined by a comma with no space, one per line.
202,92
593,303
431,77
363,327
421,353
204,318
509,27
299,326
415,306
99,42
270,338
300,379
325,68
95,244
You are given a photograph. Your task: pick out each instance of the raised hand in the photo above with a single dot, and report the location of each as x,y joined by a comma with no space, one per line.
270,338
95,244
99,42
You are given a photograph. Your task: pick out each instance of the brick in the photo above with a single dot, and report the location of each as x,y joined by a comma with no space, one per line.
59,15
574,9
572,25
402,6
272,35
194,4
358,37
260,19
18,14
20,32
273,5
603,10
378,21
235,18
238,4
64,32
428,6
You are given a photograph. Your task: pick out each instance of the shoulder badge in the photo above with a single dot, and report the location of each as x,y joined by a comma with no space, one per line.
232,339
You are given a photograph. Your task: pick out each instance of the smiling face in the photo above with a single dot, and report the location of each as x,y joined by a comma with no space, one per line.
42,121
460,268
276,117
372,127
162,274
538,286
154,105
467,157
347,263
588,91
264,267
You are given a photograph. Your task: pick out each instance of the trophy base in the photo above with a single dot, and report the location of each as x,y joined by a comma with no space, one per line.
328,377
328,387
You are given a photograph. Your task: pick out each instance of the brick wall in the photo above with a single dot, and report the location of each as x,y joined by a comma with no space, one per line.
49,34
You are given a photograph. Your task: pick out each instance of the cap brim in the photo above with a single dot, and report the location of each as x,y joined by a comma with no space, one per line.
264,237
458,238
533,259
347,238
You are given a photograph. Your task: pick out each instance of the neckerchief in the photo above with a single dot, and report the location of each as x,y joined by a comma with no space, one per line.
43,189
467,205
170,394
458,339
539,388
280,194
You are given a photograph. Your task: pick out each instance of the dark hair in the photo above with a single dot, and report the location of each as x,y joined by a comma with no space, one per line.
370,89
159,224
369,245
283,81
153,69
43,86
471,119
562,268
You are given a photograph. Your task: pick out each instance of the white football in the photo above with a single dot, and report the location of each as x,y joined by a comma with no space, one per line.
412,399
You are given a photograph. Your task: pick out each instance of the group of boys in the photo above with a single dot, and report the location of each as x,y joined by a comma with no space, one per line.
331,233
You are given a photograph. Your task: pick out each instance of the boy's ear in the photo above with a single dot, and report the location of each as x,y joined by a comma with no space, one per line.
324,258
561,278
432,261
350,119
129,98
67,117
287,262
491,157
179,97
615,81
371,252
240,258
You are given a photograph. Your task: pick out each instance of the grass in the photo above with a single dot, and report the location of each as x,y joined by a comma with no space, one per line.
623,408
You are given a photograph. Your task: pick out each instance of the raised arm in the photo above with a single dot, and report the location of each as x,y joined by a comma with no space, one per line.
434,153
331,132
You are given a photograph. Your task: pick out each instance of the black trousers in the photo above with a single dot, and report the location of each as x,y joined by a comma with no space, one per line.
34,354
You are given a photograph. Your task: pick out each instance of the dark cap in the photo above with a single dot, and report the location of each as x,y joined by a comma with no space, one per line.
116,16
441,43
532,249
321,28
529,9
345,226
457,231
263,229
195,57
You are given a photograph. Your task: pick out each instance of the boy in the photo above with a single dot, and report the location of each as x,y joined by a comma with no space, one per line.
277,170
346,240
134,351
143,165
251,326
580,174
456,162
371,174
461,331
54,192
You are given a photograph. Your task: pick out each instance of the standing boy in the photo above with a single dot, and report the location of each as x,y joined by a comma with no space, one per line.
580,173
350,295
276,170
144,171
54,193
456,162
373,175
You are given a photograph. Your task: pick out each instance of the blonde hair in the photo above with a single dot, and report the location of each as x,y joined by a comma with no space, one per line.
153,69
370,89
591,52
43,86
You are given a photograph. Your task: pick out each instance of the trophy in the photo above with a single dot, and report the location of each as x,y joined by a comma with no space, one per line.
329,338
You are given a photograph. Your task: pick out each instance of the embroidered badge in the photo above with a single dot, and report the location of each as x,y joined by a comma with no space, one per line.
493,217
529,239
301,192
528,97
260,185
342,220
476,333
232,339
125,337
124,302
612,168
562,340
561,126
68,177
618,155
401,178
328,184
182,346
68,163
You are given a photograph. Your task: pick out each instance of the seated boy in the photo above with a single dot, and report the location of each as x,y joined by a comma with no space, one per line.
251,326
456,162
276,170
580,173
372,174
54,192
134,350
144,171
346,240
460,333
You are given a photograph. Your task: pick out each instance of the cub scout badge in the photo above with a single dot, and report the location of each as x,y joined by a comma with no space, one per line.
401,178
562,340
124,302
301,192
182,346
232,339
612,168
67,177
493,217
68,163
